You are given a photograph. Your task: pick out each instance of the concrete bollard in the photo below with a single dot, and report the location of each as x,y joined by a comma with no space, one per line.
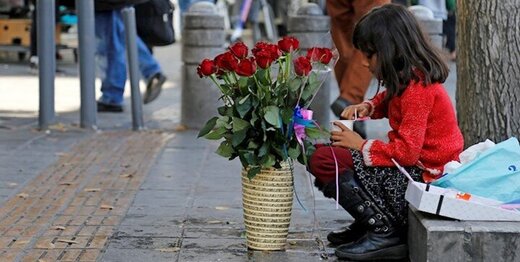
203,37
432,27
312,28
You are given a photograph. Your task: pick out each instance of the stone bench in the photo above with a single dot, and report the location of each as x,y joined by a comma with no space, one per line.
433,238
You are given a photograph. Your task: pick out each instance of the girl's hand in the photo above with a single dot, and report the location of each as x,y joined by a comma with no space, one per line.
346,137
362,110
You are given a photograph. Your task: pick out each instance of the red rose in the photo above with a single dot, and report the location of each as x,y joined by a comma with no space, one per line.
326,55
318,54
272,49
226,61
239,49
288,44
302,66
206,68
314,54
264,59
246,67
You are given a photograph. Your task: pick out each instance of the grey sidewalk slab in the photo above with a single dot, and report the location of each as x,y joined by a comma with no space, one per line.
189,209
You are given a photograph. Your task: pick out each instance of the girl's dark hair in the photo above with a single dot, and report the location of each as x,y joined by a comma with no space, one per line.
403,53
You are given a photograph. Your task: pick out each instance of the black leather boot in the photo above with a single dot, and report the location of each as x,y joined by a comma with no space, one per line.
382,240
345,234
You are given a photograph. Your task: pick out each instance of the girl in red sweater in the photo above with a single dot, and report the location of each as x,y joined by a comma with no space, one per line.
424,136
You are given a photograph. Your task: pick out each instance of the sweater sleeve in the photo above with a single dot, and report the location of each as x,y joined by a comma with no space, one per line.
379,108
405,147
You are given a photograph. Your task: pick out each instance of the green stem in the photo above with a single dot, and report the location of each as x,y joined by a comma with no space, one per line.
287,66
301,90
226,97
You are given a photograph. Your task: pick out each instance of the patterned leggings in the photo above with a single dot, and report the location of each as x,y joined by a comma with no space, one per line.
386,185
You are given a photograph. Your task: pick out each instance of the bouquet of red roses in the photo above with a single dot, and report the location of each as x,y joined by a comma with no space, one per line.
265,118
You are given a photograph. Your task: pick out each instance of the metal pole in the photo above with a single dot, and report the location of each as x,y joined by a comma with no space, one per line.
86,63
133,67
46,48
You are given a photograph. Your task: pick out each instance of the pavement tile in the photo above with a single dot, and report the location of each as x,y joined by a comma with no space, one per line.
138,255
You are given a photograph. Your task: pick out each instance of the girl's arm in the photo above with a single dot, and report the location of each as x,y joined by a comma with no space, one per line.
406,146
378,107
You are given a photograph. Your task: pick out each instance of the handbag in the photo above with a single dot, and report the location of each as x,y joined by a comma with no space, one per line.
495,173
154,21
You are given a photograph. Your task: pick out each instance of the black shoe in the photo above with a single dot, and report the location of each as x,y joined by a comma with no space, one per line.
389,245
102,107
347,234
154,87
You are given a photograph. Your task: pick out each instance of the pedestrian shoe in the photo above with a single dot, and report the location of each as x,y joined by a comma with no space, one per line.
389,245
154,87
103,107
338,105
347,234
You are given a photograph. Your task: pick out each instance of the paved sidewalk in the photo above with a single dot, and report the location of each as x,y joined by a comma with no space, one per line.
114,195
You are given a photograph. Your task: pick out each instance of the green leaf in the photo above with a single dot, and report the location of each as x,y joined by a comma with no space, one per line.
253,171
216,134
243,100
223,121
254,118
238,137
247,156
294,153
287,114
272,116
225,111
252,145
314,132
295,84
207,127
225,149
244,107
239,124
313,84
263,149
268,161
242,82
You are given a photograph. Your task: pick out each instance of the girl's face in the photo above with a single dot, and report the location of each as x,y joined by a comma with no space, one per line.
370,62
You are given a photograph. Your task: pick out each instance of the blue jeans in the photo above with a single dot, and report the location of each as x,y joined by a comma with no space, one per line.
111,56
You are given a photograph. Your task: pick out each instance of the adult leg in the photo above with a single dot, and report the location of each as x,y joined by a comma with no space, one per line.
151,70
353,78
111,56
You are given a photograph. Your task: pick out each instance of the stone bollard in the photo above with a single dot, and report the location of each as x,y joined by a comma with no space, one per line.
312,28
203,37
432,27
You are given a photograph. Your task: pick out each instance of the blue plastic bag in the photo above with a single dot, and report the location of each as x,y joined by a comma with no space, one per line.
494,174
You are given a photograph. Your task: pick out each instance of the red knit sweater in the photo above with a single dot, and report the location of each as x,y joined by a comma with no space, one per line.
424,130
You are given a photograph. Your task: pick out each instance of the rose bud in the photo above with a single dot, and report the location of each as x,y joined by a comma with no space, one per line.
326,55
288,44
263,59
246,67
206,68
239,49
313,54
226,61
302,66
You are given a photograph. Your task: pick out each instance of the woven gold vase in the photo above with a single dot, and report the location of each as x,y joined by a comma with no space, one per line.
267,200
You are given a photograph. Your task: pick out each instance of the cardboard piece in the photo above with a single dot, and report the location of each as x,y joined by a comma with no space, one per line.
458,205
